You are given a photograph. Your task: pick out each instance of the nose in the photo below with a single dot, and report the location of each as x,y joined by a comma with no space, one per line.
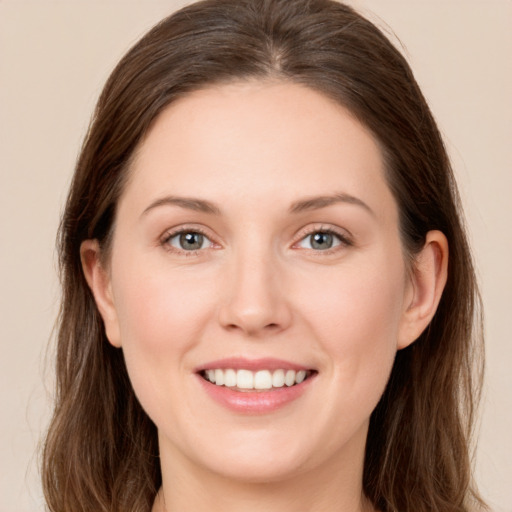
254,301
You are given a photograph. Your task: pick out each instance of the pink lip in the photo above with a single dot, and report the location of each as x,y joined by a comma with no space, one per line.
253,402
241,363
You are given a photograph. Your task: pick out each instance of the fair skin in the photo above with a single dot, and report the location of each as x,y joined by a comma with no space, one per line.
257,223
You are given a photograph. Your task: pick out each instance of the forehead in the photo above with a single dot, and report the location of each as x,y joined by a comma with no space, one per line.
249,139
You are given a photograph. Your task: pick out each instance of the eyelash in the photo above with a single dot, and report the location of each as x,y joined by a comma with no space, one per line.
165,242
344,240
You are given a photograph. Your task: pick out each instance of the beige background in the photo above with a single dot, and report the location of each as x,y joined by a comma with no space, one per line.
54,57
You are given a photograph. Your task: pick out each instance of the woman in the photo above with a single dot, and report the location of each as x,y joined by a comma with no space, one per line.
269,301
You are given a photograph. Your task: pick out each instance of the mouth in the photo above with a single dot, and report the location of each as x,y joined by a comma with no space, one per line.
244,380
255,386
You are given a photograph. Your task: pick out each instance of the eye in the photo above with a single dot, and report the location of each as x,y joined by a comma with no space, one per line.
188,241
322,241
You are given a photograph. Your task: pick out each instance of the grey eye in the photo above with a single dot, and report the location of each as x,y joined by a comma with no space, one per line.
320,241
189,241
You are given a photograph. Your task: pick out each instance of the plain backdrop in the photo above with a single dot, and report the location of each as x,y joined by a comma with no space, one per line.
54,59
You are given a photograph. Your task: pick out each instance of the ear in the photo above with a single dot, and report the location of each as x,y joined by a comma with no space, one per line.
425,288
99,282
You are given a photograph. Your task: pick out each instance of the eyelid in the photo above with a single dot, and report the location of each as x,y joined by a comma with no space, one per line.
345,237
186,228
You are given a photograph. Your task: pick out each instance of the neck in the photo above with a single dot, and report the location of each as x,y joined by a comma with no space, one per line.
257,500
332,488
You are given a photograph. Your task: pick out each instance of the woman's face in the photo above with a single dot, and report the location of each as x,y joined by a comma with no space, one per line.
256,238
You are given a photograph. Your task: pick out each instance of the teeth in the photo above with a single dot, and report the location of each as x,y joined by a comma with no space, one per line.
230,378
244,379
219,377
289,378
262,379
301,375
278,379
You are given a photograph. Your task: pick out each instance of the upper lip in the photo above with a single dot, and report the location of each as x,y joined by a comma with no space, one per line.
242,363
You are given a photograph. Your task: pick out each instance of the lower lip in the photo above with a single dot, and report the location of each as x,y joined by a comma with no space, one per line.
255,402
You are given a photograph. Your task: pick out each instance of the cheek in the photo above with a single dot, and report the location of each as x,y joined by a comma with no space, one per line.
353,302
356,317
157,310
160,321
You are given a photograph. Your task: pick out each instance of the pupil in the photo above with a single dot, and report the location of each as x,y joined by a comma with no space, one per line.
191,241
321,241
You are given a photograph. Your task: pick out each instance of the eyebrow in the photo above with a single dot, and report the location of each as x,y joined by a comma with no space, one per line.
317,202
190,203
308,204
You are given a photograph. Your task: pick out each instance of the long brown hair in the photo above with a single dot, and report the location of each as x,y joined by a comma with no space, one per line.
101,450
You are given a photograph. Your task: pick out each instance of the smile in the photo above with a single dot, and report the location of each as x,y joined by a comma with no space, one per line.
258,386
261,380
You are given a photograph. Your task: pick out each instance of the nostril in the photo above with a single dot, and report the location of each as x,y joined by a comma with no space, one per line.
271,327
252,318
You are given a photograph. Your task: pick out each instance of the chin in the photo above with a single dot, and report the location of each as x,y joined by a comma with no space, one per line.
259,469
260,457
